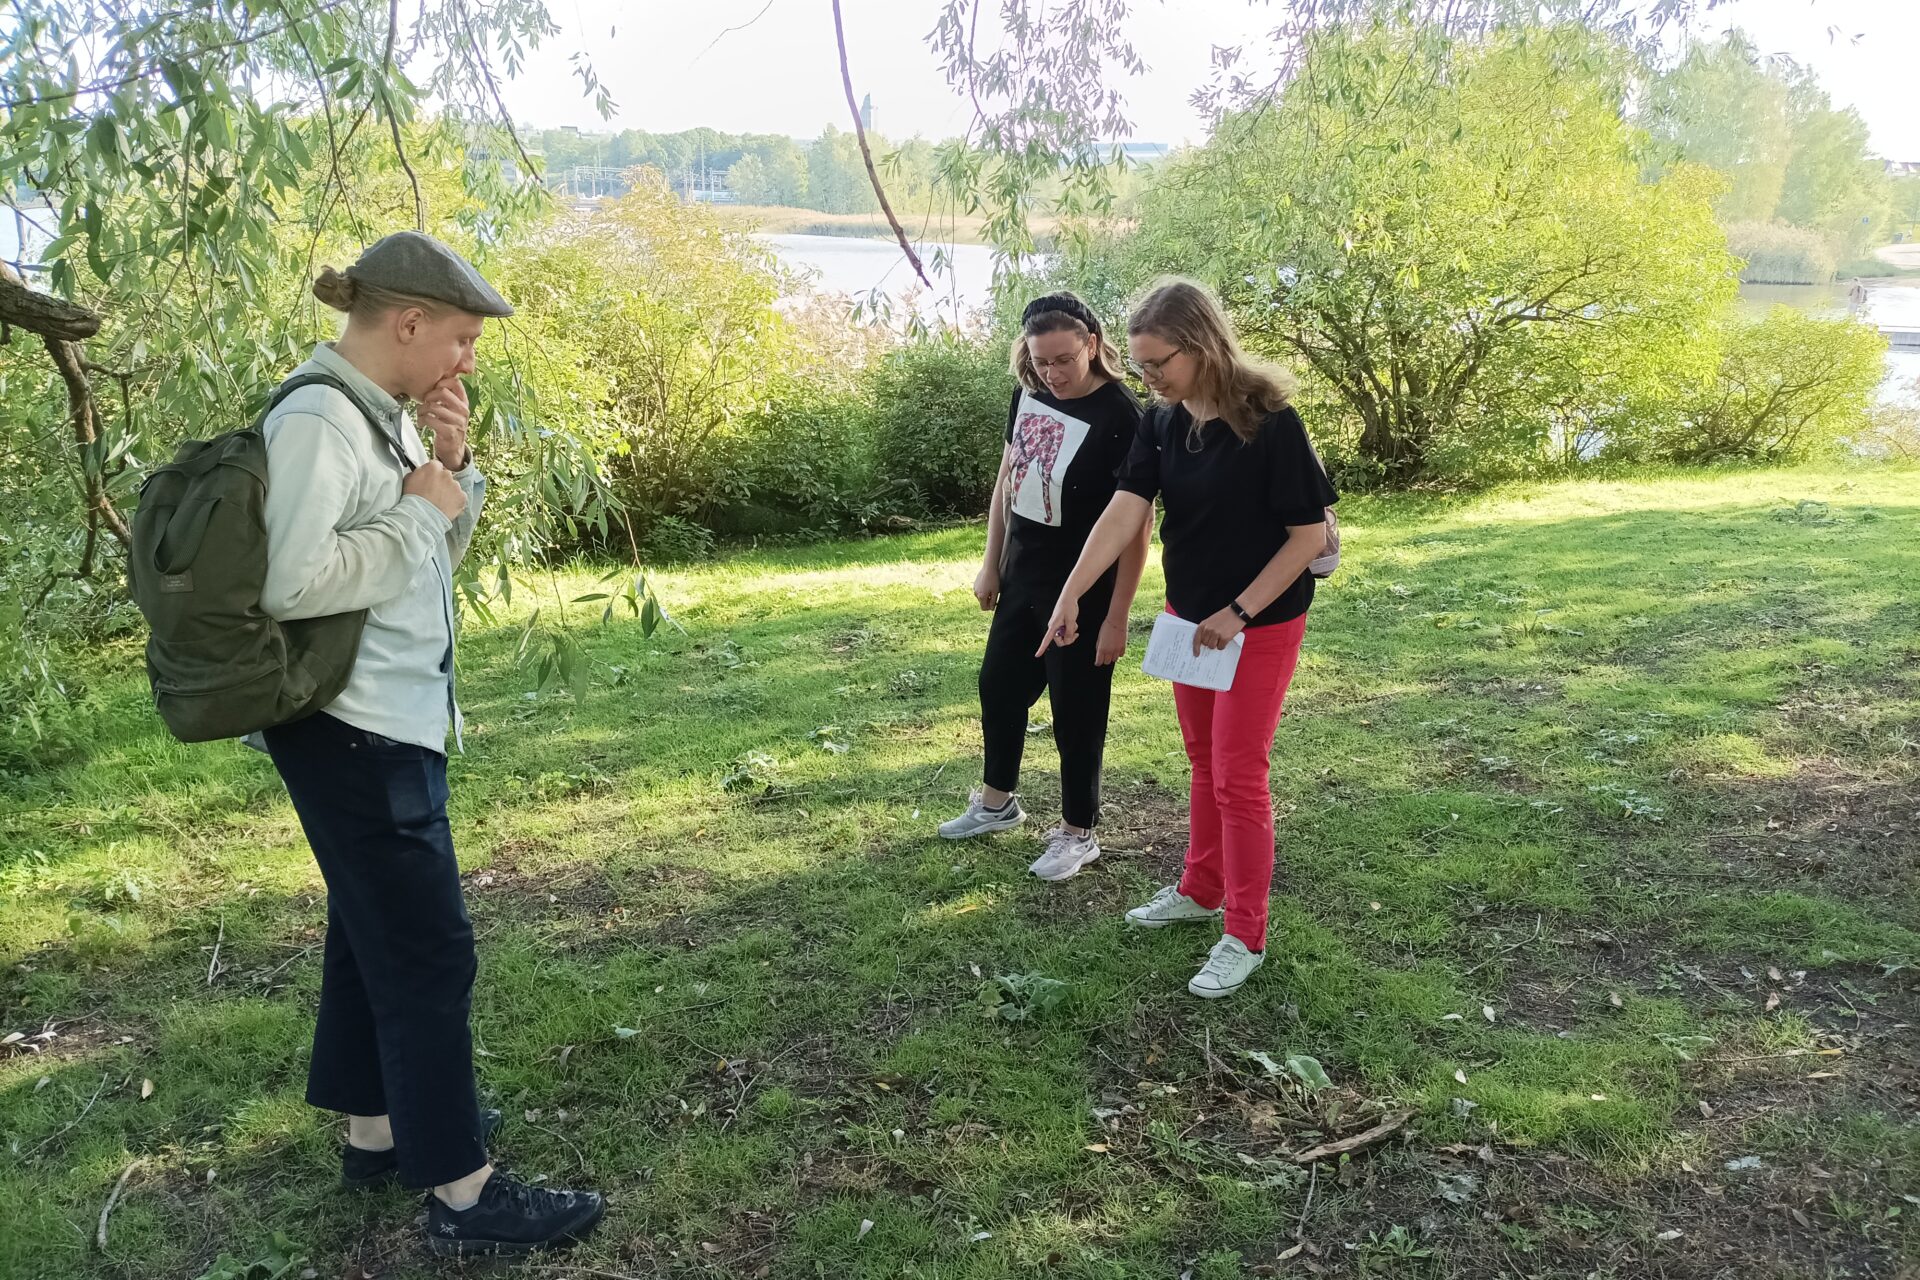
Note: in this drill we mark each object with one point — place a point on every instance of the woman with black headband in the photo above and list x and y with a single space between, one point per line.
1068 431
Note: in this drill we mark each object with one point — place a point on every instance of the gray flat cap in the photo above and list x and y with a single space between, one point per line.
411 263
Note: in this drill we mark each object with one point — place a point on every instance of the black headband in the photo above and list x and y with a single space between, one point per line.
1065 303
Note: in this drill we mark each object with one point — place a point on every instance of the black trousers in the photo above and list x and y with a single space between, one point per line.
392 1036
1011 679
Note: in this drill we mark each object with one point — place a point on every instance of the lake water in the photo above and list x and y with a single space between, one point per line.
963 280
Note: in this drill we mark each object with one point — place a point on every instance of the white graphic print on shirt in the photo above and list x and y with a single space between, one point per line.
1045 441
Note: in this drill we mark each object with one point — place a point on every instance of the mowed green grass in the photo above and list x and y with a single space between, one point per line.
1599 847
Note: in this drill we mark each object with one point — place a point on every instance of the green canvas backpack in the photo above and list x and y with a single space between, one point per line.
219 666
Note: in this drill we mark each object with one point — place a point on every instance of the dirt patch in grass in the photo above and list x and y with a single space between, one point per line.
1855 838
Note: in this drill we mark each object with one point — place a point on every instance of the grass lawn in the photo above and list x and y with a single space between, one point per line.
1599 838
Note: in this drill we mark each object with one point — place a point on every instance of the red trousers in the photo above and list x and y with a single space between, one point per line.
1229 739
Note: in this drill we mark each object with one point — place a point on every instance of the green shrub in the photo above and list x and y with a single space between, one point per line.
939 410
1788 385
673 540
1779 254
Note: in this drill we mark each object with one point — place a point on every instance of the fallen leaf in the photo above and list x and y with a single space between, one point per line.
1775 974
708 1246
1687 1168
1374 905
975 968
1451 1017
146 1090
1802 1219
1598 1097
1461 1076
1773 1001
1670 1235
971 906
1486 1011
1095 1146
866 1225
1613 998
1744 1162
42 1083
13 1037
1706 1109
1822 1075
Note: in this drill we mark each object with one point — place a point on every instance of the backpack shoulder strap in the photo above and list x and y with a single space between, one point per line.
294 384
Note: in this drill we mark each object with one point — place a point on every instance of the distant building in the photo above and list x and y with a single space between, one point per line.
1900 167
866 113
1133 152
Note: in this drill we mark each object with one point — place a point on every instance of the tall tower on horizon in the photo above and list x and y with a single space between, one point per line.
866 113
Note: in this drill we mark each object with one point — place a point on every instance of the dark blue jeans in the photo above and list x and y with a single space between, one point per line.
392 1036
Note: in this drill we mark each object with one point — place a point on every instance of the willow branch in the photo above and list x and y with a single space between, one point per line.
866 152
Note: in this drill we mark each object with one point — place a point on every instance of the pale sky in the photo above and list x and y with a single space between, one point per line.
780 74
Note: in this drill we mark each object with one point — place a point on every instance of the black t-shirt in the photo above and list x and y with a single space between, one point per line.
1228 506
1066 455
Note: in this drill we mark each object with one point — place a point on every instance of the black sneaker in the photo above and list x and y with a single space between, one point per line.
360 1168
512 1217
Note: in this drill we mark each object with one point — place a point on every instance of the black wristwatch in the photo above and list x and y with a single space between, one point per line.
1240 613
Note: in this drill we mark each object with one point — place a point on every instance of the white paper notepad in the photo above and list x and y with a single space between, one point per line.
1170 656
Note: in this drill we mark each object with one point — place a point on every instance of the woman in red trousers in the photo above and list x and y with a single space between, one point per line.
1245 500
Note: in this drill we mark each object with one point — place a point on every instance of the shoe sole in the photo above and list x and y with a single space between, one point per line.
1139 923
1072 871
1006 825
514 1249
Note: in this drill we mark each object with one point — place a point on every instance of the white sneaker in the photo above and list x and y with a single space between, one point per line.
1170 906
1226 970
978 820
1066 854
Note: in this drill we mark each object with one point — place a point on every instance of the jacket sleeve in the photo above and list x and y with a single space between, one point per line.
474 485
315 567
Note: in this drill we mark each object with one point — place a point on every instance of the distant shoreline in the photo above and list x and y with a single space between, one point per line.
938 228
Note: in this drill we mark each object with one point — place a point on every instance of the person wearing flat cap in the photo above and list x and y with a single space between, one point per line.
360 517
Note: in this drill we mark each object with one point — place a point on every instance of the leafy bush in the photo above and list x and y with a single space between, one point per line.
1779 254
664 335
1788 385
939 410
673 540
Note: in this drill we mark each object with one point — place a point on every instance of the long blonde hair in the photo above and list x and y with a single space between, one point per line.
1242 390
1062 312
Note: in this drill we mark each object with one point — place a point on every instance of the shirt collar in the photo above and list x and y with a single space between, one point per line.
369 392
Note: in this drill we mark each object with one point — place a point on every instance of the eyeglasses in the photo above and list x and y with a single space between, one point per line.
1061 362
1153 368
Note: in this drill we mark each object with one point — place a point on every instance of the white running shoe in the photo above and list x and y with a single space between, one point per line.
1066 854
1170 906
978 820
1226 970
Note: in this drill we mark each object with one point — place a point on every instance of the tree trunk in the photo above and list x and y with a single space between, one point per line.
84 420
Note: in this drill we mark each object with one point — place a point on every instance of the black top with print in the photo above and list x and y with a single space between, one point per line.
1228 504
1066 456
